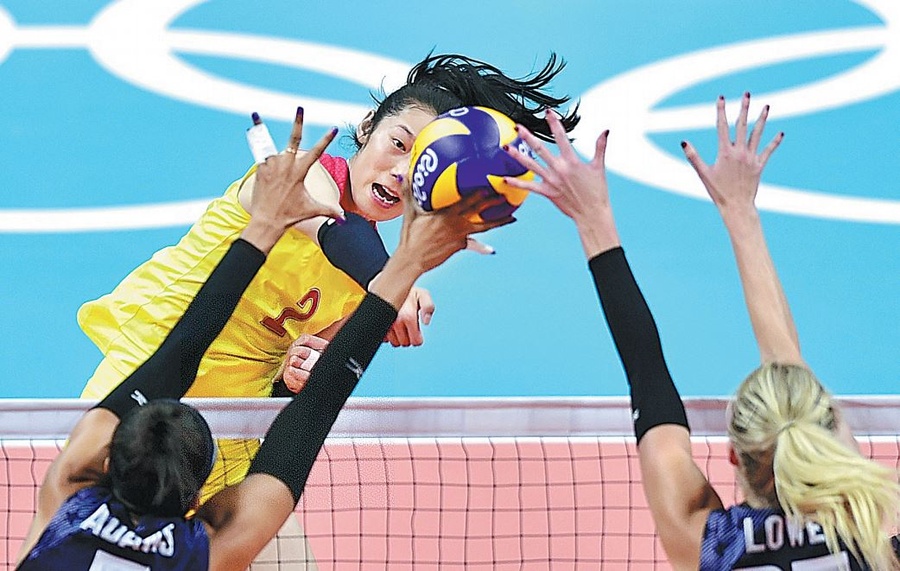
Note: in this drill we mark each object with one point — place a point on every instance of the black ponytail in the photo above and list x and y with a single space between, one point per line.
160 456
440 83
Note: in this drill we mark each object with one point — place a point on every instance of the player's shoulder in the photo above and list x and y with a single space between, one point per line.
321 180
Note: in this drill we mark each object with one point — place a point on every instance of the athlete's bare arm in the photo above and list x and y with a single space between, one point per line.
678 493
242 519
83 461
732 182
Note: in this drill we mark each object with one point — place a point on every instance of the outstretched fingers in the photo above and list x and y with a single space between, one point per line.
740 128
560 137
770 148
722 124
303 162
310 157
693 157
756 133
599 160
538 148
296 133
525 159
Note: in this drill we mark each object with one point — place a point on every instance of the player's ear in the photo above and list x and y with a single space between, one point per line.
732 456
364 129
106 465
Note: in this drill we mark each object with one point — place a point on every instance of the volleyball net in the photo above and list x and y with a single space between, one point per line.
449 483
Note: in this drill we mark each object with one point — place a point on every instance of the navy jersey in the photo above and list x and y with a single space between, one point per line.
93 532
742 537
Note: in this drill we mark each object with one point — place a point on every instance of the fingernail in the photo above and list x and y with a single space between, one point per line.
782 134
766 108
505 147
340 220
683 144
334 131
256 119
721 98
606 133
516 127
747 94
300 113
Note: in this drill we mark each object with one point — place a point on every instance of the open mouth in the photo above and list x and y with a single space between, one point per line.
384 196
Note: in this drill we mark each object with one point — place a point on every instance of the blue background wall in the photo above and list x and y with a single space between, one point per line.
95 116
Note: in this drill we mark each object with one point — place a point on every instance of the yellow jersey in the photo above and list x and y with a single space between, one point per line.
296 291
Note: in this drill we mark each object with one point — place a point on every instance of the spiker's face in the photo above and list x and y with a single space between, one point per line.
379 172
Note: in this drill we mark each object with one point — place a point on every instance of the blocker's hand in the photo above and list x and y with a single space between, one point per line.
733 180
576 187
280 198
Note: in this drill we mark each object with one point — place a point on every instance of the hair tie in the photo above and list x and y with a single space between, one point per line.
786 425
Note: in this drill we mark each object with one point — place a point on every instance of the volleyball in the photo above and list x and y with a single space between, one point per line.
460 153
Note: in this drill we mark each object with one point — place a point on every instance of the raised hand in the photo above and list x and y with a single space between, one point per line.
733 180
280 198
576 187
732 183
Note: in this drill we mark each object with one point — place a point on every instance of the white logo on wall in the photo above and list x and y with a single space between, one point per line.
131 39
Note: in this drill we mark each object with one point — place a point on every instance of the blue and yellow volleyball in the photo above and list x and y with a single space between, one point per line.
460 153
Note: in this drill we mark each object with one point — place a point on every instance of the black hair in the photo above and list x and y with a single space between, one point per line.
440 83
160 456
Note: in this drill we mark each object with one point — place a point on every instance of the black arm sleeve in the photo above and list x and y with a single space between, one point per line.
298 432
171 370
354 247
654 398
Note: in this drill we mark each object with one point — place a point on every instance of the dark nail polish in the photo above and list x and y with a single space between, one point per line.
683 144
516 128
606 133
747 94
256 119
299 112
721 98
505 147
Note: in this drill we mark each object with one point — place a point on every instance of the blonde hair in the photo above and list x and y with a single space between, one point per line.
783 428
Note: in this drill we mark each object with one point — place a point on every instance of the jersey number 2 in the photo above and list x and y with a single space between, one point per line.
308 305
